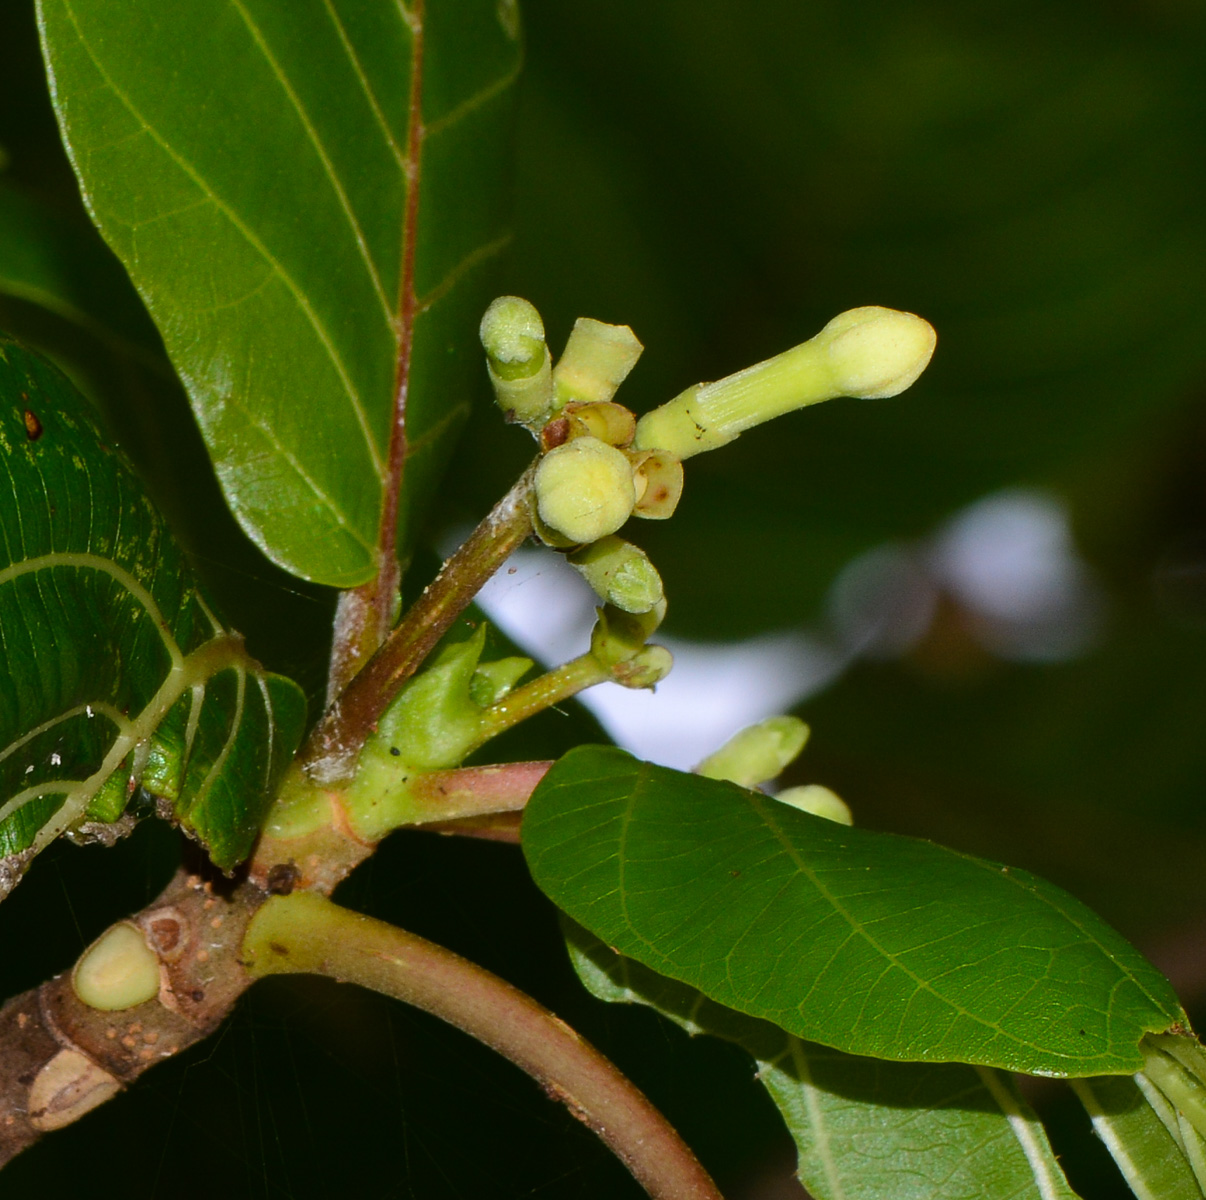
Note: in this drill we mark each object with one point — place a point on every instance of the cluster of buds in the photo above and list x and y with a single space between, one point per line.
761 753
599 465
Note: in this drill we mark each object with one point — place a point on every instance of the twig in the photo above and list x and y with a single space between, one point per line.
329 756
306 933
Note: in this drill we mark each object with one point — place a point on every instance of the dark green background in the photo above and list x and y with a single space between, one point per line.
725 178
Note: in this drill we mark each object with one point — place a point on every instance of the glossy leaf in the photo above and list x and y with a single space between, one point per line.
870 943
1149 1155
113 669
303 194
864 1128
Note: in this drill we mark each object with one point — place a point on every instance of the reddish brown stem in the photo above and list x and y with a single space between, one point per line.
329 757
307 933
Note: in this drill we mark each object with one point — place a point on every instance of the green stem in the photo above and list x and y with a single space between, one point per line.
1177 1067
553 687
307 934
329 756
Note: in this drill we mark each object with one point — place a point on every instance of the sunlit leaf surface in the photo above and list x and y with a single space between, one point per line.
304 194
870 943
114 672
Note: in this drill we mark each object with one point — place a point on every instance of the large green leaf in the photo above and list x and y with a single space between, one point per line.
870 943
114 671
864 1128
303 193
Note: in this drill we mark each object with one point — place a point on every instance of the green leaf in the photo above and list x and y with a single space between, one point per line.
63 266
867 942
114 672
864 1128
258 168
1149 1155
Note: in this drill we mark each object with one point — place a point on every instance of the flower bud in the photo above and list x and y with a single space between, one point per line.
512 335
618 636
620 573
867 352
596 361
819 801
119 970
758 753
584 490
644 670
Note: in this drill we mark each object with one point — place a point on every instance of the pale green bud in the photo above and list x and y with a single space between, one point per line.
758 753
620 573
644 670
867 352
596 361
512 335
619 636
118 971
584 490
819 801
493 680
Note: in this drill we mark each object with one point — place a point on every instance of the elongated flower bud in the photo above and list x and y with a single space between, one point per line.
757 753
596 361
584 490
866 352
512 335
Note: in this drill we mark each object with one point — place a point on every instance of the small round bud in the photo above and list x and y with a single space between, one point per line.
757 753
584 490
620 573
512 335
119 970
877 352
819 801
644 670
619 636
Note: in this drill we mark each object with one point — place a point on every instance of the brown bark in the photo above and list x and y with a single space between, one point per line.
60 1058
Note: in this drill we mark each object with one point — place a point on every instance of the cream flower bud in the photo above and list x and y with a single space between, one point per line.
866 352
596 361
512 336
584 490
119 970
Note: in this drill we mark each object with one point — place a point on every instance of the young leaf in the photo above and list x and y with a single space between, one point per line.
113 670
303 195
870 943
864 1128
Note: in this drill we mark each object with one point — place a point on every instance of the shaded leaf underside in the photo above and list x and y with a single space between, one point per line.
865 1129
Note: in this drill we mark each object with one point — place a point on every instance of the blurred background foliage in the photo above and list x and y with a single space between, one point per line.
1030 177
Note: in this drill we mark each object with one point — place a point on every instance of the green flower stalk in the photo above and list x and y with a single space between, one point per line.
512 335
866 352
